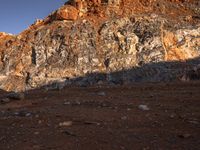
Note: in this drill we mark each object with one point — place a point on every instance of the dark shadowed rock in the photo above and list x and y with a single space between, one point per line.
15 96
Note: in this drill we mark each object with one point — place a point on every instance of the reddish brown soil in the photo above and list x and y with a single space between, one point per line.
104 122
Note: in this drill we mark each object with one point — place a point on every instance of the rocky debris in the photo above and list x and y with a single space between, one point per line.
23 113
185 136
193 74
69 133
91 123
194 122
65 124
36 133
15 96
124 118
90 42
4 100
143 107
101 93
67 103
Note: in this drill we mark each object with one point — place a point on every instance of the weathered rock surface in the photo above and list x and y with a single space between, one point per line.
193 74
92 42
66 12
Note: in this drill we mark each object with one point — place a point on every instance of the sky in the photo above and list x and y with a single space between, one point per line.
17 15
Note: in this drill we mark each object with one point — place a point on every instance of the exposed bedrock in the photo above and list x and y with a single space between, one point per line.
68 48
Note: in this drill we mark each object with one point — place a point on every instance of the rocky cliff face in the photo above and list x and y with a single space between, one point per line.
103 41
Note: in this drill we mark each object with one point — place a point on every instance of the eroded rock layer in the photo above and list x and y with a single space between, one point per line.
96 42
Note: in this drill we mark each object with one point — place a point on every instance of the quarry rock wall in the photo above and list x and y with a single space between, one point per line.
87 43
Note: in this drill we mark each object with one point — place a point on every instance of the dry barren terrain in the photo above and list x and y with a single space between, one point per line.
161 116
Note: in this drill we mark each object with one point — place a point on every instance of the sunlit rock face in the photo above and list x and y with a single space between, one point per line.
96 42
66 12
182 44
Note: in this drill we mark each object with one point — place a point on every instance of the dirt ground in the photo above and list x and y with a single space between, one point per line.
153 116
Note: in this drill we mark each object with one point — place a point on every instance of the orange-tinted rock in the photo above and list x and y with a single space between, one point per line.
3 35
93 41
67 12
182 44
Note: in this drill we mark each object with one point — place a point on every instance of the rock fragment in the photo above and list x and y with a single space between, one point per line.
65 124
4 100
143 107
101 93
15 96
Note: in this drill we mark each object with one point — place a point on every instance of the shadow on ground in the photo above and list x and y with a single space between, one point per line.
152 72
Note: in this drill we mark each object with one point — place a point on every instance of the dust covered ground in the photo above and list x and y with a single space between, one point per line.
151 116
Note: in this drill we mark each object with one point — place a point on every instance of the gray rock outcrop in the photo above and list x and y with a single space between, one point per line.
83 51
